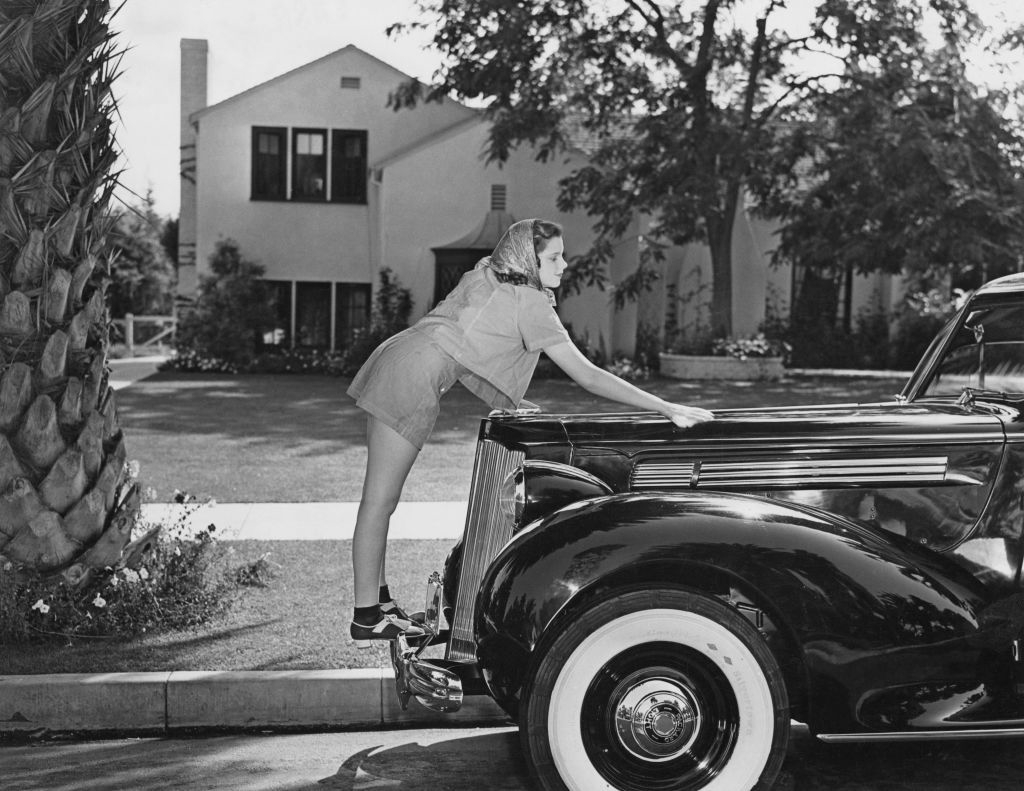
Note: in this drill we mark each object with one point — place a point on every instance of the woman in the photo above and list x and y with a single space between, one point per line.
488 334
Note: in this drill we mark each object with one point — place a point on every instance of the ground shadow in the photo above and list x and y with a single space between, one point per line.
460 760
495 761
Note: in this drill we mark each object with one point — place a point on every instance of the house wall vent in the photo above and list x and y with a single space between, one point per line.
499 197
350 82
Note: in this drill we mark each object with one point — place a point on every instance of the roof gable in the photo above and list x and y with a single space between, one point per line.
346 51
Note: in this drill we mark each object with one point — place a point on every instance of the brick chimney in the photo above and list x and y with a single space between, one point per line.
193 98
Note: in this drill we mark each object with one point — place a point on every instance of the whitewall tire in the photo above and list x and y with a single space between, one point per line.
656 691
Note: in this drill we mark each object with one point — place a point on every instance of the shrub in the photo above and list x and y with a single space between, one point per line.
756 346
297 361
269 361
694 340
231 312
629 369
175 580
816 342
258 573
192 361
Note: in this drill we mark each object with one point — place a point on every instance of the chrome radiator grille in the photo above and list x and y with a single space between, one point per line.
487 531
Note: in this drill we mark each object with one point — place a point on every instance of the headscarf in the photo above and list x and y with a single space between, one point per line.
516 255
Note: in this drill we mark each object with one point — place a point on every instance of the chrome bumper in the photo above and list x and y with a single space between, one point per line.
435 687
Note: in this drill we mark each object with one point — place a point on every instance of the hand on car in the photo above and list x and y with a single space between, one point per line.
684 416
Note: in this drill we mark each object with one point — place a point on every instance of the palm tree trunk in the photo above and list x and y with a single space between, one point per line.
66 501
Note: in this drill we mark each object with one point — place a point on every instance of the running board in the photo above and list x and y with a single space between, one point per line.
920 736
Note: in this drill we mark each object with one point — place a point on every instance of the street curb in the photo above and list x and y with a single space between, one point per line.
849 373
165 702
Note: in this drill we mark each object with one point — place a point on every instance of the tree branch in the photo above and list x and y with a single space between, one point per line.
770 109
698 80
753 73
657 23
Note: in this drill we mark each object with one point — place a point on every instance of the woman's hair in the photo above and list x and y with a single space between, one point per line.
543 232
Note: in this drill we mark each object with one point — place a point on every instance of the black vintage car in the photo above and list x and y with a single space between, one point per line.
654 605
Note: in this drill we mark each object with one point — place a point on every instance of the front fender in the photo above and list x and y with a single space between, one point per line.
863 609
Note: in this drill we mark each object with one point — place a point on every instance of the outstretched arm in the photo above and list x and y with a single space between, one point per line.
607 385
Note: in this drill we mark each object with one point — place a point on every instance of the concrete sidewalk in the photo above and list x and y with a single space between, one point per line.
126 370
310 521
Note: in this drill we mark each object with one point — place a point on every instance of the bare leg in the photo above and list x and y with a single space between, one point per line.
389 458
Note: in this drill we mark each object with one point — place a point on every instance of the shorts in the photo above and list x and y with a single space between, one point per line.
402 382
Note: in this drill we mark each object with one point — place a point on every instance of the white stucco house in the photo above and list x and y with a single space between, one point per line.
324 185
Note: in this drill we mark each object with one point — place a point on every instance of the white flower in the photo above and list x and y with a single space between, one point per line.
42 606
177 552
99 601
143 573
131 575
114 581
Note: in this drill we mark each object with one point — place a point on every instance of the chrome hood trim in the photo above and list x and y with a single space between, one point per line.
787 472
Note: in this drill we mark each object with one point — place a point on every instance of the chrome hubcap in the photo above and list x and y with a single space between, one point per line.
656 719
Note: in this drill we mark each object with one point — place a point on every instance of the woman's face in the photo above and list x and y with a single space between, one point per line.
551 262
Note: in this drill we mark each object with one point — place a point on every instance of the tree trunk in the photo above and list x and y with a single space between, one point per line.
66 501
721 281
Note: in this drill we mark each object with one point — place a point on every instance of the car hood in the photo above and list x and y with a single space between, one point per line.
842 424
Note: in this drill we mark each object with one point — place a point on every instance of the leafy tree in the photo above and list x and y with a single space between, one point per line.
68 503
682 105
232 310
392 305
143 274
906 168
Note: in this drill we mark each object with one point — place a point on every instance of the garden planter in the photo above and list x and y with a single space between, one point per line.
694 366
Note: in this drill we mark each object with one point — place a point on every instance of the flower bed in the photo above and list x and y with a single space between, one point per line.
699 366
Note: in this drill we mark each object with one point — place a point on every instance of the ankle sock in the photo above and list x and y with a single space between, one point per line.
367 616
385 595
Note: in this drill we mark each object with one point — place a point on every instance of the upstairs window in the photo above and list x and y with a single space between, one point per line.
309 164
268 163
348 166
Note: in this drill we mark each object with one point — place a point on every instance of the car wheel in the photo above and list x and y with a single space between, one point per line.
656 691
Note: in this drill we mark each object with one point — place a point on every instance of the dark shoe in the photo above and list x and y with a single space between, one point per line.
389 627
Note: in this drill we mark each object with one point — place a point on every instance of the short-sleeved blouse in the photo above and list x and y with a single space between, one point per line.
496 331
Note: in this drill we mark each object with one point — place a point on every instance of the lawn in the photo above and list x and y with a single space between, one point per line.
299 438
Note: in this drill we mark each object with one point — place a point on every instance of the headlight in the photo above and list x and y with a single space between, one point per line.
512 495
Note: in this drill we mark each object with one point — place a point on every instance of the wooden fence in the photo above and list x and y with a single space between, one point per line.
146 333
